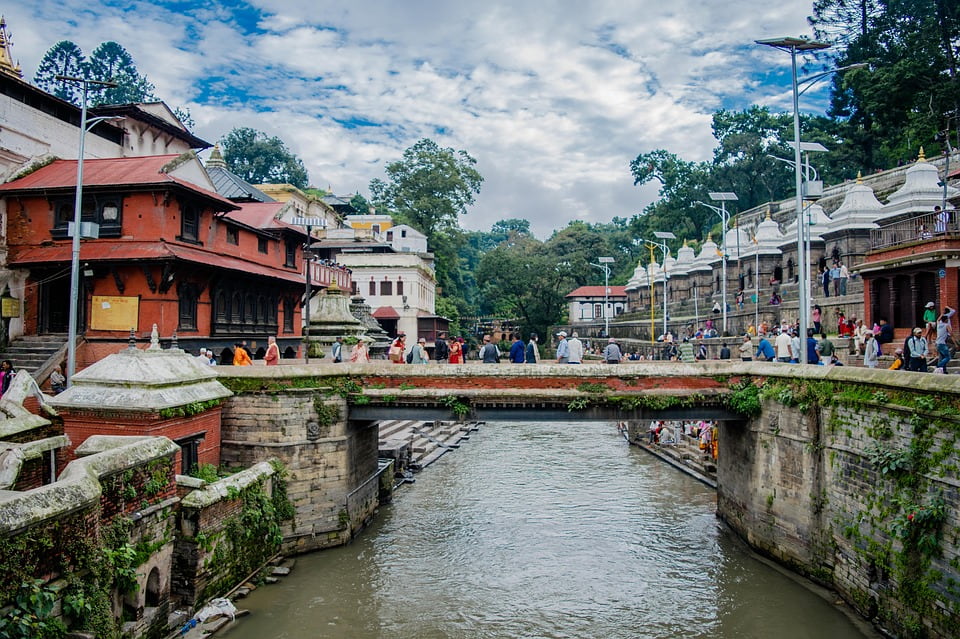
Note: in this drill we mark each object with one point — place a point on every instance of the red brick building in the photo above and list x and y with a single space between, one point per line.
170 252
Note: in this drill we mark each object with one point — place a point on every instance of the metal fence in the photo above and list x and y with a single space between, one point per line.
916 229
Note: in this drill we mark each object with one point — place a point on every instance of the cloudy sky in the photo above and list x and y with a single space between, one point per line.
553 98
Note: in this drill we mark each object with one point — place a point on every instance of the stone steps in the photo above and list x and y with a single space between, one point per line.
31 352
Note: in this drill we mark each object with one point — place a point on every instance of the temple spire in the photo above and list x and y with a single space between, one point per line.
922 157
6 58
216 159
859 177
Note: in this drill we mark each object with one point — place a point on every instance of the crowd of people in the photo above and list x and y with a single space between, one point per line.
704 434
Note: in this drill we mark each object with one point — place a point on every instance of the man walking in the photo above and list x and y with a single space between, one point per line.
518 353
576 350
944 335
533 353
441 351
489 353
336 350
563 348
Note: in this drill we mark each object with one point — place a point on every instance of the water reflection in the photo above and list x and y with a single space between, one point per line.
542 530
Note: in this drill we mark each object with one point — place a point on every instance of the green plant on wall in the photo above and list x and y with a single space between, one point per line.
29 616
458 407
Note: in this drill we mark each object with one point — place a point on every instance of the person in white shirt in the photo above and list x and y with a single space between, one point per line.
783 347
575 347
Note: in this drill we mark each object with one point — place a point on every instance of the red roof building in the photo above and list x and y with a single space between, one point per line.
586 304
170 252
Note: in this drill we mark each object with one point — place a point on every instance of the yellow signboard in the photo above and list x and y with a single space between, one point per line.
9 307
114 313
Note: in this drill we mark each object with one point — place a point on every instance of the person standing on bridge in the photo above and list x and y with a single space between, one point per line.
418 354
272 356
518 353
783 347
563 348
489 353
746 349
612 354
575 347
441 351
533 352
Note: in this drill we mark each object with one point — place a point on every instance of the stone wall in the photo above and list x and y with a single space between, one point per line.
329 459
228 529
851 477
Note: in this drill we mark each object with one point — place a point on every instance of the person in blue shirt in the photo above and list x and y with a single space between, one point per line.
518 353
813 348
765 349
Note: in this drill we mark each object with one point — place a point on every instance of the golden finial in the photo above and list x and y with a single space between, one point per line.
769 218
6 59
922 157
859 177
709 237
216 158
684 242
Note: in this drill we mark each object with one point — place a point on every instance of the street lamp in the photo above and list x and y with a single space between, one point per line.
85 125
793 45
663 236
723 197
603 265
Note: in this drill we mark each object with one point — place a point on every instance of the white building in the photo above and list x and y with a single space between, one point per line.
406 239
589 304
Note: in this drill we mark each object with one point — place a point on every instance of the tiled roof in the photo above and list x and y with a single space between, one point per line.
386 312
233 187
123 250
597 291
138 171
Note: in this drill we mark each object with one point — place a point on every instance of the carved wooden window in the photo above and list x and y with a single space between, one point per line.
233 235
187 294
386 287
189 223
287 315
102 209
290 254
262 245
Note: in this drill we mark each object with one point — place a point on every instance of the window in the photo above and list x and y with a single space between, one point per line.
262 245
189 223
355 288
189 452
287 315
104 210
375 228
233 235
290 254
597 310
187 307
386 287
403 232
399 286
373 287
389 236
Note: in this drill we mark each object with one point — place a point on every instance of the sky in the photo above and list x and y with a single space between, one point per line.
552 98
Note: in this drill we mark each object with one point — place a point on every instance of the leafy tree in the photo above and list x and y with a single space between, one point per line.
525 280
260 159
63 58
429 188
186 118
360 204
111 62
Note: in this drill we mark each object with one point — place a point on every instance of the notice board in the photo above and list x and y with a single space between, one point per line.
114 313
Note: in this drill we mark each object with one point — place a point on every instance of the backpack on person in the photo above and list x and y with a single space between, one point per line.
410 356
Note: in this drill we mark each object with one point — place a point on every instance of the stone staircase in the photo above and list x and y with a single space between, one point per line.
32 352
416 444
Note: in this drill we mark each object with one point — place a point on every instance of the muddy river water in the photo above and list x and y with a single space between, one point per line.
543 530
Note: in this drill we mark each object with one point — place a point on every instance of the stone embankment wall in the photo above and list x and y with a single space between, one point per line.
228 529
287 413
101 534
851 477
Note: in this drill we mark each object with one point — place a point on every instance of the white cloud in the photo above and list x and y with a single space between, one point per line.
553 98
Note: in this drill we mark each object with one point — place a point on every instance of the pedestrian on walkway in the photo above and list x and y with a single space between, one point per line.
418 354
917 350
612 354
944 338
441 351
489 353
533 352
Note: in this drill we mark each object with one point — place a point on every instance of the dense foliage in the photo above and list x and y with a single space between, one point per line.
261 159
109 62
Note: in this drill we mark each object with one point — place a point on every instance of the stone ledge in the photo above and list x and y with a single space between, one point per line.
220 490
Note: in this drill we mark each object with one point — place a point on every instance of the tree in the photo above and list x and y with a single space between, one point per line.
360 204
429 188
110 62
63 58
260 159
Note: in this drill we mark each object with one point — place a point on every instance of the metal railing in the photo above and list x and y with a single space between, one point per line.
920 228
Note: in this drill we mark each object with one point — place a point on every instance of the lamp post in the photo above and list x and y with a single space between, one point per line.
86 83
308 222
793 45
723 197
663 236
603 265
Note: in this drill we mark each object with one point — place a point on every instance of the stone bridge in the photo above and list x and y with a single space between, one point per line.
848 475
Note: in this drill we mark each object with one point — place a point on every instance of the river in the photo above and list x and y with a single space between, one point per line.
542 530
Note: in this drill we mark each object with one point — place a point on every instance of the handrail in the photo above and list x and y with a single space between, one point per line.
920 228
